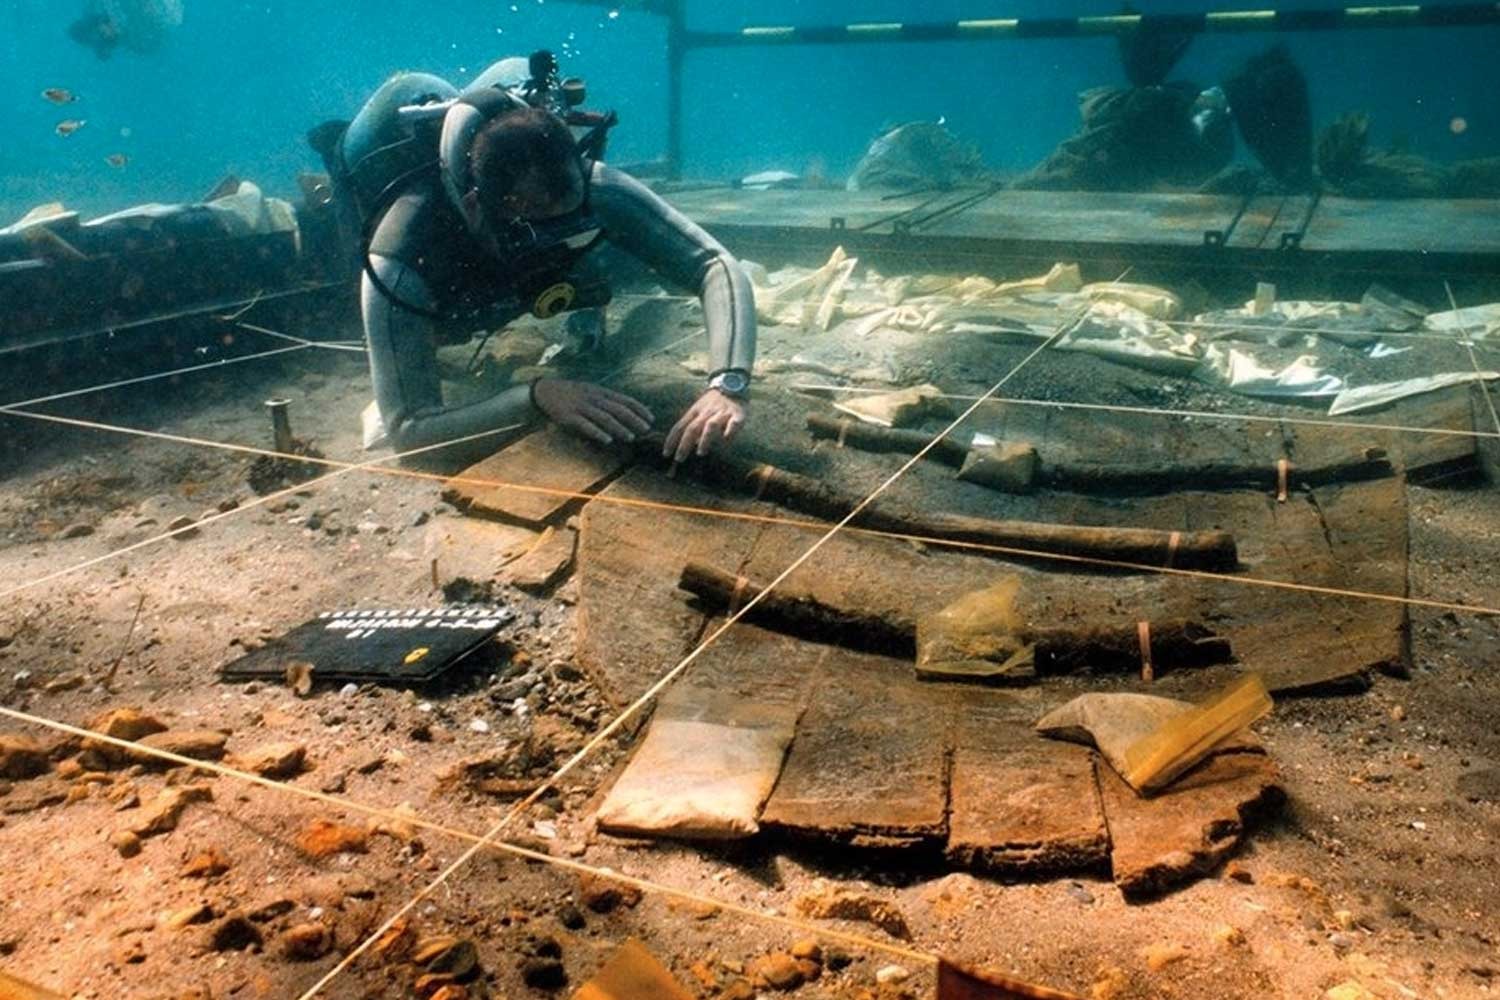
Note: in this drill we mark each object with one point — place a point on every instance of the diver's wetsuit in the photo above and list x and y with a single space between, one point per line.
423 252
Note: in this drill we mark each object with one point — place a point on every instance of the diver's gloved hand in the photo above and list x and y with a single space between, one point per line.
593 411
714 419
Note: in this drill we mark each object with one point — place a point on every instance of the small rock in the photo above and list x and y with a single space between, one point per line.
450 991
228 504
325 838
1237 872
479 726
777 970
808 949
837 959
1228 936
1110 983
1349 990
1159 956
126 724
604 896
571 917
446 955
206 864
127 843
305 942
349 690
161 814
183 527
336 784
299 677
891 974
274 760
273 907
198 744
740 989
234 933
22 757
830 903
76 531
1080 894
198 913
1398 714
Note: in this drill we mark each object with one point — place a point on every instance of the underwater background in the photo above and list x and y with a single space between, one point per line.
235 88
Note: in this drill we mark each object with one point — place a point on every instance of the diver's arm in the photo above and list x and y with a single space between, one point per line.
640 222
403 366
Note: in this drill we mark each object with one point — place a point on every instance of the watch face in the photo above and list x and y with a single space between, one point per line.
735 382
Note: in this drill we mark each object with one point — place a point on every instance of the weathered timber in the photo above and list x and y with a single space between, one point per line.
633 623
1059 649
1123 476
872 437
1018 804
868 766
1192 826
801 615
535 479
1023 539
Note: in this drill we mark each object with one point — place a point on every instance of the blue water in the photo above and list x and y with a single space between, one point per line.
240 82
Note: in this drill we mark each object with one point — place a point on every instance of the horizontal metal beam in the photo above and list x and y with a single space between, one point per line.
1216 22
667 8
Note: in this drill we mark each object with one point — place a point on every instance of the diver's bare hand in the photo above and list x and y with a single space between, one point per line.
714 419
593 411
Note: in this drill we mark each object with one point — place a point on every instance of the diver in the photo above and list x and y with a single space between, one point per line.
139 25
481 206
1154 133
1159 133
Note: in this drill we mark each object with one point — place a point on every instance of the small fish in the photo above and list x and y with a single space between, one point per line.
117 160
58 95
67 128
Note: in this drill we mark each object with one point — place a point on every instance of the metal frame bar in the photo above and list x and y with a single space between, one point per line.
1469 15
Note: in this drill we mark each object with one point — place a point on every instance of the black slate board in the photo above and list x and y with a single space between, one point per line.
405 645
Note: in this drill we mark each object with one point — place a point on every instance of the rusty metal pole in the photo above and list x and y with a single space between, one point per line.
281 424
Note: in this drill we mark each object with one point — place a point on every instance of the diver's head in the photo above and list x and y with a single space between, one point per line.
524 165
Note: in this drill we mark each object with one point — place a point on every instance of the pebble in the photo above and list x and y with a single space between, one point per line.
323 838
126 724
76 531
127 843
1228 936
274 760
891 974
604 896
808 949
778 970
571 917
1238 873
21 757
198 744
206 864
183 527
1079 893
479 726
349 690
198 913
446 955
1159 956
161 814
305 942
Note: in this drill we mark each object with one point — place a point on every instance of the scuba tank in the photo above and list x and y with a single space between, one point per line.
419 127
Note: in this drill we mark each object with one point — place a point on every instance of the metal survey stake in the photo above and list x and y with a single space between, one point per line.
281 424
